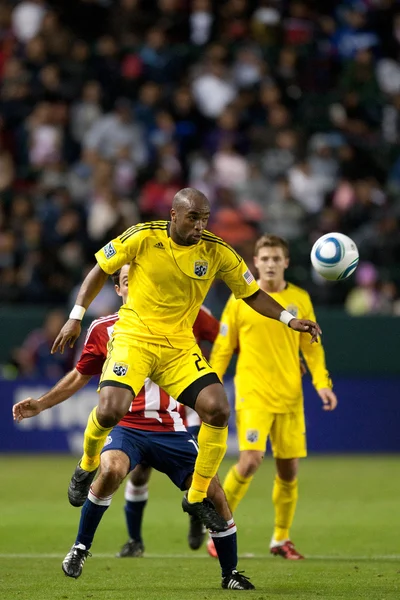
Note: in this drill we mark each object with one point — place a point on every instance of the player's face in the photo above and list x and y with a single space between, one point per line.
122 289
271 264
189 224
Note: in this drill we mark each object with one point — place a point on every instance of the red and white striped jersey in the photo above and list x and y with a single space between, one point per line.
152 409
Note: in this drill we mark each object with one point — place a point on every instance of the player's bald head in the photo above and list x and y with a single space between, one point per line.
190 199
189 216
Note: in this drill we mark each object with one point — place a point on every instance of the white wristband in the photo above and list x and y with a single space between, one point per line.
77 312
285 317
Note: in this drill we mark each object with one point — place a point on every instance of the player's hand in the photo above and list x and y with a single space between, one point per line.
25 409
328 398
304 325
68 334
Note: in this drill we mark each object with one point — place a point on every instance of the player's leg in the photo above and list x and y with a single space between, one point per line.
123 376
175 454
225 542
115 465
136 496
187 376
197 531
288 445
253 427
212 407
252 430
114 402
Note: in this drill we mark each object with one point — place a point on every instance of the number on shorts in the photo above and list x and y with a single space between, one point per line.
197 361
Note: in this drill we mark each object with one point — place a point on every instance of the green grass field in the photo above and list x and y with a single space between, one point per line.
347 524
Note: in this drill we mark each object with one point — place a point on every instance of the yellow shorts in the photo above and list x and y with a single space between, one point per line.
181 373
287 432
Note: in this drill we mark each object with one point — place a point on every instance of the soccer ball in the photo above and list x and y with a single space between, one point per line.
334 256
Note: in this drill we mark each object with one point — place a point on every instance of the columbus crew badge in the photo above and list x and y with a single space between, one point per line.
252 435
200 268
120 369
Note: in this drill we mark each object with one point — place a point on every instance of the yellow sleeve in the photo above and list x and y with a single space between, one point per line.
227 340
235 273
121 250
314 355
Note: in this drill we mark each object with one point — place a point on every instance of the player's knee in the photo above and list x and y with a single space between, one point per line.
112 471
140 475
215 410
249 463
109 411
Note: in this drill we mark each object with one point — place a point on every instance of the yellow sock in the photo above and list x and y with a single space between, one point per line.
93 442
284 497
212 447
235 487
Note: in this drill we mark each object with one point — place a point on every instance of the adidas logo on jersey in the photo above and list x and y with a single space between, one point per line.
159 245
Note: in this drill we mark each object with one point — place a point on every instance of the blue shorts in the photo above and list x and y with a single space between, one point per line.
172 452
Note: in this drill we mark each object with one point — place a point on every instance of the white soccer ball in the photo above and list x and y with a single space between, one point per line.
334 256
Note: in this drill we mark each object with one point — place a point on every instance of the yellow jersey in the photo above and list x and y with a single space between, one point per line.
268 369
168 282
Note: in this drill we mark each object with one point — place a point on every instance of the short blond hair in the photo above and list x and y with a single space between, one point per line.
271 241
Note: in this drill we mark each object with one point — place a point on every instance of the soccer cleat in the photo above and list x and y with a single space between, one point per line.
286 550
132 549
206 513
237 581
211 549
79 485
197 533
73 563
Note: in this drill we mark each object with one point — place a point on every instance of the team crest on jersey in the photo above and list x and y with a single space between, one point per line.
293 309
120 369
200 268
108 440
109 250
252 435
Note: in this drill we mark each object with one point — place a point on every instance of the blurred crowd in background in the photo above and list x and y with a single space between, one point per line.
286 114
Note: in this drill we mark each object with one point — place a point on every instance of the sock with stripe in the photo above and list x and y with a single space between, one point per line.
91 515
284 497
93 441
135 502
212 447
225 544
235 487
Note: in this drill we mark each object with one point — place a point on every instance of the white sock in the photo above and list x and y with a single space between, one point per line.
275 543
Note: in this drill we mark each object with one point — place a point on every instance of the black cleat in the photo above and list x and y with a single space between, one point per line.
205 513
132 548
73 563
237 581
79 485
197 533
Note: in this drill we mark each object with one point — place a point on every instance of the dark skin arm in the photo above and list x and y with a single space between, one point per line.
89 289
265 305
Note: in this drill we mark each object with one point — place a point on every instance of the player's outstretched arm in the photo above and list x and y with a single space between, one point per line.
90 287
268 307
64 389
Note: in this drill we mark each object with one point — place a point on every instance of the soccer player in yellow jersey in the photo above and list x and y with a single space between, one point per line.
269 396
173 265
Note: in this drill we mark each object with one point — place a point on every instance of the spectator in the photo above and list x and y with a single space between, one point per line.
27 18
86 111
275 110
365 298
201 22
213 90
115 130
